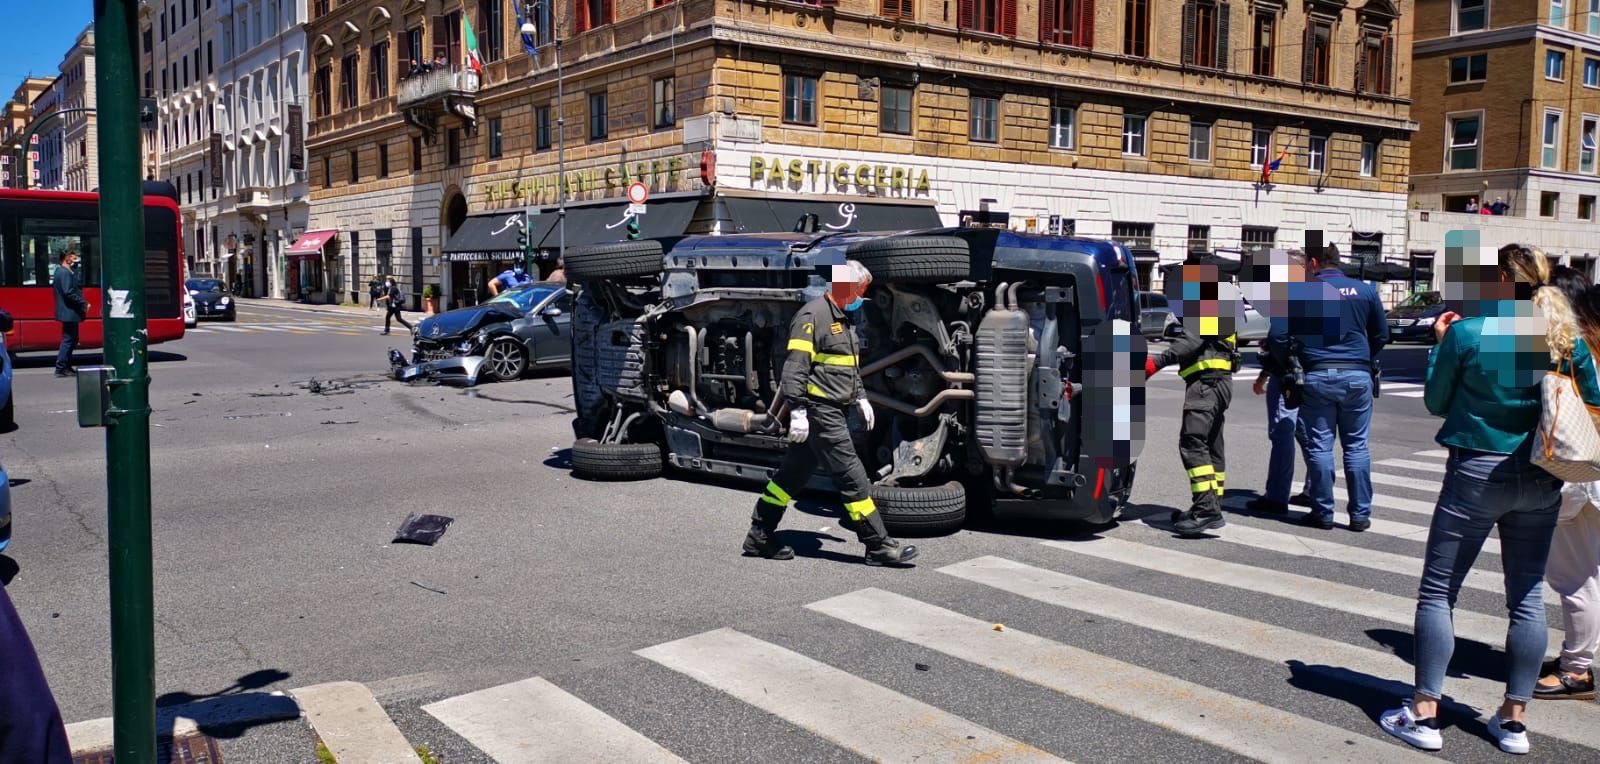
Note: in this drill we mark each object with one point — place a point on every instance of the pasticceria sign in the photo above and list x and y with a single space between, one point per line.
823 175
659 174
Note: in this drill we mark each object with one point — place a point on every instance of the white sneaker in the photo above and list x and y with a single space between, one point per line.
1512 736
1404 723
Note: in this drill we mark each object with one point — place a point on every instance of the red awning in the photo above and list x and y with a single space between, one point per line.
310 243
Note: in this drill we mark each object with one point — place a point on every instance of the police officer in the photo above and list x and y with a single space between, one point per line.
514 276
821 384
1206 356
1335 328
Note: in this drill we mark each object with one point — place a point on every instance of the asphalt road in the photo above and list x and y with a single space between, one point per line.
275 507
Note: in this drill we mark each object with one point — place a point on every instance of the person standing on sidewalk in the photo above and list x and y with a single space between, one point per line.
71 308
393 300
374 288
1334 331
1484 378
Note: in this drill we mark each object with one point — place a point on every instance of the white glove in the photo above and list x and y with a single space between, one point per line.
866 412
799 426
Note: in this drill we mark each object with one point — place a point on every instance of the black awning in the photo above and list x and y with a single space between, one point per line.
490 236
766 215
595 223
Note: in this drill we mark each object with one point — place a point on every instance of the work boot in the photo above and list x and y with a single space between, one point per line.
1196 522
761 541
881 549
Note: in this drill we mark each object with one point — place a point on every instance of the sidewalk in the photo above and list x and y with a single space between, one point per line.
345 310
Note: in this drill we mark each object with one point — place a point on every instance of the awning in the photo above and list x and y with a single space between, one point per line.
490 236
592 224
757 214
310 243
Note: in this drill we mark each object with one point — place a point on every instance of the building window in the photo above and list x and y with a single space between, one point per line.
1555 65
1199 141
1471 15
1586 207
593 13
416 153
664 102
378 72
1260 146
1205 34
1558 13
1136 28
541 128
355 167
904 10
411 52
383 160
1199 239
1591 68
1586 144
1133 135
1318 60
983 119
1264 38
894 110
1549 203
599 112
324 86
1139 236
1369 158
1067 22
1462 133
496 147
491 39
453 146
1317 154
991 16
1063 120
1594 17
1253 239
1375 64
347 81
1550 156
1474 68
800 99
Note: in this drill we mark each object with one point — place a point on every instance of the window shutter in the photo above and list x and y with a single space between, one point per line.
1222 37
581 16
1386 82
610 12
1008 19
1047 22
965 14
404 62
1188 33
1083 27
1308 58
1361 64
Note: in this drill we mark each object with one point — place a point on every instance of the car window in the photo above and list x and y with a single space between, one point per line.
204 285
1153 300
525 299
1421 300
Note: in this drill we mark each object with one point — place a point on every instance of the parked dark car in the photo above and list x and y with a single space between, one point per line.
211 299
1003 367
1412 319
519 329
1154 315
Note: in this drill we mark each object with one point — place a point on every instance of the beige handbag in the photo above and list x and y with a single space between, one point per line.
1567 444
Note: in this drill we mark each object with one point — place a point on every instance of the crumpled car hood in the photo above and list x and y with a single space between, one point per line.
459 322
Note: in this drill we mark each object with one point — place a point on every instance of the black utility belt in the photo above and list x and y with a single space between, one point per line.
1345 366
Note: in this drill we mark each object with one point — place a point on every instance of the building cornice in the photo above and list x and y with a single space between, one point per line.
1506 36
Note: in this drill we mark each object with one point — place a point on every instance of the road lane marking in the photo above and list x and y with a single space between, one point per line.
869 719
1366 667
1408 464
1235 724
535 721
1383 527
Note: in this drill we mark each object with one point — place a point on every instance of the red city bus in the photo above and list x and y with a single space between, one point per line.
36 226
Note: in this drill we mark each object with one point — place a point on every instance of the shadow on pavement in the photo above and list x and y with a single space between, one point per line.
47 359
231 711
1375 695
8 570
1469 658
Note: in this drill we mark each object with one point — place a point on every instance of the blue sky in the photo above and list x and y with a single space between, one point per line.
40 31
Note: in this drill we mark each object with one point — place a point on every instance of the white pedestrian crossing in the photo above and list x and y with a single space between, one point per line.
535 721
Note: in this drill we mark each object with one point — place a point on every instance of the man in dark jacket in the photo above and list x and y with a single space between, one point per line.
393 301
30 722
1335 326
71 308
822 382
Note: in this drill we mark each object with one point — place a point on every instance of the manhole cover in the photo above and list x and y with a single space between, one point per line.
191 749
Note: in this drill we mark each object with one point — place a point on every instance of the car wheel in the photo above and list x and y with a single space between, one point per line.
8 413
612 260
505 360
914 259
615 461
931 511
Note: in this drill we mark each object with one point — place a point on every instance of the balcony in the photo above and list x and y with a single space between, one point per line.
424 97
254 200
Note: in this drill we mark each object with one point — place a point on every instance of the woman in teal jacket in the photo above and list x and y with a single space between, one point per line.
1484 379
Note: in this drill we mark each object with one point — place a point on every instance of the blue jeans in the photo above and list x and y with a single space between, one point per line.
1483 491
69 341
1287 435
1338 400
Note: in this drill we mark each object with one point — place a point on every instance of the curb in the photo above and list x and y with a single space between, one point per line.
96 735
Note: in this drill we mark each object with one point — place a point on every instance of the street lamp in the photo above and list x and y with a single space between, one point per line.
530 30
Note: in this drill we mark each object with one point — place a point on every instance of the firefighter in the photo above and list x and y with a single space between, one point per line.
821 384
1206 356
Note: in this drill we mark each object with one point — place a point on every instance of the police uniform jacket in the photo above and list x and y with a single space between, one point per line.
822 357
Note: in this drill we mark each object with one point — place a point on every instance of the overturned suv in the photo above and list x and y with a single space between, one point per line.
1002 367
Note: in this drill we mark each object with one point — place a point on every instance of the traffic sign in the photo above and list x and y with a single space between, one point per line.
635 210
638 193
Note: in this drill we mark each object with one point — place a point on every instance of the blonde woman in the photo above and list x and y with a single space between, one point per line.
1483 378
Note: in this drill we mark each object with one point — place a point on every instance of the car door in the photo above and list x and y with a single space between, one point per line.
550 330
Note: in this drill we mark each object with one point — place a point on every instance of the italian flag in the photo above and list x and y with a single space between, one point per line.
474 60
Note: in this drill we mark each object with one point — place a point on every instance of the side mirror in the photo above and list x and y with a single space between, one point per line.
552 312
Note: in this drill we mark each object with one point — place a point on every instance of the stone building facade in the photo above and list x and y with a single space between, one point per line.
1148 121
14 123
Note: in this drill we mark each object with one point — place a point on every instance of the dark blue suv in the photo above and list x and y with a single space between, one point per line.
1004 367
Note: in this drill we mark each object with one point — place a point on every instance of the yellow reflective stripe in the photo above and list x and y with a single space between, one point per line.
1219 489
776 495
804 346
1204 486
1222 364
1204 469
833 359
1221 476
812 389
1232 339
860 509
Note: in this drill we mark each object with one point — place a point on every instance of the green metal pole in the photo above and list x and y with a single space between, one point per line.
128 430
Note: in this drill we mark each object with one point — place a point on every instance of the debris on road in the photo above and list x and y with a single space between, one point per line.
921 666
999 627
271 395
330 421
429 588
423 529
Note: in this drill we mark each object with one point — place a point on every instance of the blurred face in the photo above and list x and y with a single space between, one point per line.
844 290
71 260
1205 300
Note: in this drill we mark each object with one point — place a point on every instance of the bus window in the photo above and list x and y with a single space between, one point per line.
43 241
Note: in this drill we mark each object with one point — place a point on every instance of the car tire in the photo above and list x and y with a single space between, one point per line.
615 461
613 260
8 413
504 360
932 511
914 259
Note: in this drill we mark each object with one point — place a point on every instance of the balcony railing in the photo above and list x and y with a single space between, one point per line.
437 85
252 199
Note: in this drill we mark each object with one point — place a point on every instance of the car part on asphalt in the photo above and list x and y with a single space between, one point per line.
930 511
422 529
615 461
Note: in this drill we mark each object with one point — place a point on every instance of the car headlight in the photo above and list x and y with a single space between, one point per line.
465 347
194 292
223 301
1425 321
